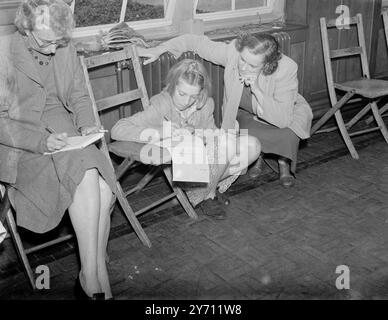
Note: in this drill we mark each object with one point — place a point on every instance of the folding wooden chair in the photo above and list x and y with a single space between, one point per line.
130 151
370 89
6 211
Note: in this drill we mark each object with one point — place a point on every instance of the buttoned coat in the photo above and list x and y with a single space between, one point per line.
21 129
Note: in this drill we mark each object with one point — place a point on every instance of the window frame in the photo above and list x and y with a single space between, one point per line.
233 13
275 11
156 24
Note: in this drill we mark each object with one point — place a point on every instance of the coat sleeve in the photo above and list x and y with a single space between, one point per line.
278 107
131 128
14 133
207 115
79 99
21 135
213 51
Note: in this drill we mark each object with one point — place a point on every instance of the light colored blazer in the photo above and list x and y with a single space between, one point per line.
20 127
130 129
282 105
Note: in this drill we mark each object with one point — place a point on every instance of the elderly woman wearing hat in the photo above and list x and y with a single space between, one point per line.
48 102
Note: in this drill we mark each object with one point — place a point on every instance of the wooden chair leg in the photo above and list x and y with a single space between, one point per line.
379 120
358 116
143 182
381 111
19 247
182 198
332 111
130 214
122 168
345 135
147 178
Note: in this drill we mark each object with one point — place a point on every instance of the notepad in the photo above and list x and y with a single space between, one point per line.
189 158
79 142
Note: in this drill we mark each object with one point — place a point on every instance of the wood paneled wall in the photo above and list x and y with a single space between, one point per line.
309 12
381 61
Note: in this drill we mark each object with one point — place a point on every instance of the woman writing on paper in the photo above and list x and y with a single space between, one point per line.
46 89
186 103
263 83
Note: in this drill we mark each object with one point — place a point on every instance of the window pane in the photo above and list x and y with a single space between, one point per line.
245 4
144 10
205 6
108 11
101 12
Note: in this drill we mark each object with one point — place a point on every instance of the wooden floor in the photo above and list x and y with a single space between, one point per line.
275 244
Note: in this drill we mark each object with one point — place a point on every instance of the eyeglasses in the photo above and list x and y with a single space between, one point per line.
46 43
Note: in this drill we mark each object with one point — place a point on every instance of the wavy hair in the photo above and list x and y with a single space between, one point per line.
192 72
262 43
60 16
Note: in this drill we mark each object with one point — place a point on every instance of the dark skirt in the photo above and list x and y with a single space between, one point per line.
282 142
45 185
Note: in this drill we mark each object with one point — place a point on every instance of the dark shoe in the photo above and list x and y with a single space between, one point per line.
80 294
213 209
222 198
256 169
287 180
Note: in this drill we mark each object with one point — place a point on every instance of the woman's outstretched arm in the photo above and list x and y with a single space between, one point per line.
213 51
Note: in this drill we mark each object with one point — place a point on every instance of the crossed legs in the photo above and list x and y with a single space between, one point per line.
90 216
246 150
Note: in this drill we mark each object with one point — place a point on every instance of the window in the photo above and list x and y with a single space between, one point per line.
159 19
114 11
104 14
220 9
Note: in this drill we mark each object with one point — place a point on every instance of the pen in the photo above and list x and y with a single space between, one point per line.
52 131
165 118
49 129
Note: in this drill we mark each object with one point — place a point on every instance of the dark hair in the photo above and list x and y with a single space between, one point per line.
194 73
61 17
262 43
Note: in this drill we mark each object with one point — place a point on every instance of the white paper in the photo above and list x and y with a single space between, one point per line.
189 161
189 158
3 233
79 142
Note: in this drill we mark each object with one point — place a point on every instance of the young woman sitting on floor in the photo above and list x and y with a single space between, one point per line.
186 103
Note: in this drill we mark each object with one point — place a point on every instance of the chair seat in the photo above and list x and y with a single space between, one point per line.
153 155
369 88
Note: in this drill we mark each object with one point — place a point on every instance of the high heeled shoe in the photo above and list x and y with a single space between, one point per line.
80 294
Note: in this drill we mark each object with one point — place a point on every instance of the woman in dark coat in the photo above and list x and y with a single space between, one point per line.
49 102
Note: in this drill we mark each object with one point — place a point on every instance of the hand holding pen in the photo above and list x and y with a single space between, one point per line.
55 141
182 129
